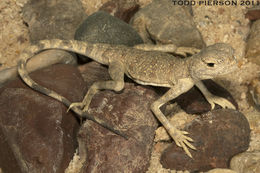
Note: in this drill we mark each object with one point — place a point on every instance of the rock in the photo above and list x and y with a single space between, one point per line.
177 117
129 111
101 27
144 3
177 28
39 61
193 101
218 136
219 170
253 43
254 93
253 13
53 19
92 72
36 132
247 162
93 5
121 9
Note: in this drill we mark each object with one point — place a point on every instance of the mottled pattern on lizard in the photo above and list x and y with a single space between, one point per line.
145 67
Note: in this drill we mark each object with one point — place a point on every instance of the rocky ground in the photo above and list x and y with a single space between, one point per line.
215 23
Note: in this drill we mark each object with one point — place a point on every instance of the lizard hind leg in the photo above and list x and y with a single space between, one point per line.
116 71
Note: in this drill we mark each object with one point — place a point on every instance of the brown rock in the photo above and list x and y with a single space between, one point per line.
92 72
129 111
53 19
38 134
253 13
193 101
218 136
42 60
122 9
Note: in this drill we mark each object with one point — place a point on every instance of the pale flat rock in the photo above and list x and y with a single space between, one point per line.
219 170
247 162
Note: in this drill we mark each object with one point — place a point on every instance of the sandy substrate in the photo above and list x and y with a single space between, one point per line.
13 32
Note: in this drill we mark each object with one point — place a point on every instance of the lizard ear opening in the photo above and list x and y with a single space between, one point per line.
210 64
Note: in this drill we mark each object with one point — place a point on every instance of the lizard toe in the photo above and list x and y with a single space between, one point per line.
77 104
224 103
182 140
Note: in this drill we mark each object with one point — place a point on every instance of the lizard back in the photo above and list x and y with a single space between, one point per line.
146 66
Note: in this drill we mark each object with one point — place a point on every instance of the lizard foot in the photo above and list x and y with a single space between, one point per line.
224 103
182 140
187 50
77 104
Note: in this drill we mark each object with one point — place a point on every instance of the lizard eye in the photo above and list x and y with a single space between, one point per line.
210 64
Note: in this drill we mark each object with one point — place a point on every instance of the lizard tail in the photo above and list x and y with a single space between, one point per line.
29 53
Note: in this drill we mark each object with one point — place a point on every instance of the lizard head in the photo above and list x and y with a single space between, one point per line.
214 60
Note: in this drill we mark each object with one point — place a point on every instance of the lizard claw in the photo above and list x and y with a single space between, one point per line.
77 104
224 103
181 140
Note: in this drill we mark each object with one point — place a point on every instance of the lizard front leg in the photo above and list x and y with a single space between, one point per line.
116 71
170 48
212 99
178 136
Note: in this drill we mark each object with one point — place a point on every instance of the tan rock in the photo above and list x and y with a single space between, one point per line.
247 162
177 27
219 170
93 5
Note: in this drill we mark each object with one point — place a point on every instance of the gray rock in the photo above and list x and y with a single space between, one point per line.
101 27
162 22
218 136
53 19
129 111
253 43
247 162
37 134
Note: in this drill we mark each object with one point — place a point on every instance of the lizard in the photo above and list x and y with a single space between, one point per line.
146 65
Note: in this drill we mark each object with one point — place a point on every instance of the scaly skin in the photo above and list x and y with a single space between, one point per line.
146 67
